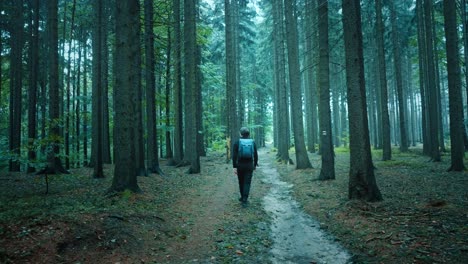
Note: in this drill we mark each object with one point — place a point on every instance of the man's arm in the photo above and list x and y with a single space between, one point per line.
235 148
255 155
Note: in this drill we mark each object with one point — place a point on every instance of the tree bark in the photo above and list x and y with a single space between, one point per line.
127 48
78 102
97 90
422 75
190 49
454 86
231 79
106 153
385 119
16 83
327 171
68 97
178 102
302 160
54 161
139 131
169 152
32 96
153 155
465 46
399 80
311 88
431 84
85 102
362 183
283 135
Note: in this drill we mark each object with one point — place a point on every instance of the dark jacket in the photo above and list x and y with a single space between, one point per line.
243 164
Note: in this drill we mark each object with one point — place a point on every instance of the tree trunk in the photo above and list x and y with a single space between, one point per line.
454 85
465 47
139 131
380 30
54 161
68 97
32 95
178 103
231 79
78 102
302 160
127 48
362 183
190 50
85 102
16 83
399 80
97 89
422 75
327 171
169 153
106 155
431 84
311 89
153 156
282 101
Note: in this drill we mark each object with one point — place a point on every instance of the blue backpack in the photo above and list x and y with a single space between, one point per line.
246 149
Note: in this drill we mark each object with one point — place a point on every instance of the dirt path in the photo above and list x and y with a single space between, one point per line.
216 229
272 228
297 237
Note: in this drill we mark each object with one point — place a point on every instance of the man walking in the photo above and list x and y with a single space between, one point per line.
244 161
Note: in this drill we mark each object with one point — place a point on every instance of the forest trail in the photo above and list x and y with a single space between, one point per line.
297 236
292 235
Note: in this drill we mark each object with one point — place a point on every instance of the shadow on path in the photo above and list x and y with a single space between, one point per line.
297 238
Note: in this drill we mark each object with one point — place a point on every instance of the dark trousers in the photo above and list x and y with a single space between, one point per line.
245 179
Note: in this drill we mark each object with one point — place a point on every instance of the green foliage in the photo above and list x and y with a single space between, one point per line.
342 150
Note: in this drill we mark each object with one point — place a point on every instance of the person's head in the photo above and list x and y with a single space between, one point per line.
244 132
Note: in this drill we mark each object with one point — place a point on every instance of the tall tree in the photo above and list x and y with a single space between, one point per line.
139 131
169 152
311 89
97 89
54 161
282 109
127 17
422 75
302 160
178 103
106 145
16 83
78 100
454 85
68 97
153 155
464 16
362 183
385 119
326 145
231 78
431 87
85 100
398 79
32 95
190 77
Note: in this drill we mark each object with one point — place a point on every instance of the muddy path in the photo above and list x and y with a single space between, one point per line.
272 229
297 237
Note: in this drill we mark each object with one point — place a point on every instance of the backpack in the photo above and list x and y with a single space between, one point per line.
246 149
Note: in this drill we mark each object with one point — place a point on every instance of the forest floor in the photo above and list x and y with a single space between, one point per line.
182 218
